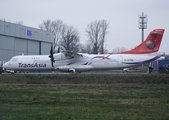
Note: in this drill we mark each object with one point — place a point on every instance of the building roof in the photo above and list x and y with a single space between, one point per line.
21 31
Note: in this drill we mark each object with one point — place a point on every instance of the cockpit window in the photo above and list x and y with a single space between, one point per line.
14 59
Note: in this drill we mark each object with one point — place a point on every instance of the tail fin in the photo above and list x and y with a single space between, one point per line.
150 45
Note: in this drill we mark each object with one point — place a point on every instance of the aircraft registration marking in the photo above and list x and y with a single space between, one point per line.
128 59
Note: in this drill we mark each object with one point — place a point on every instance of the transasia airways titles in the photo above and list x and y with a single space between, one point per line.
34 65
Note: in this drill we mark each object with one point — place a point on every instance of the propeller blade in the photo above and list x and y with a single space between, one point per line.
52 64
51 55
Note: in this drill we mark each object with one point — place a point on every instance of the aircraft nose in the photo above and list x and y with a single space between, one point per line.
5 65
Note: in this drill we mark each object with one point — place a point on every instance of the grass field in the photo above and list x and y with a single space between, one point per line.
81 97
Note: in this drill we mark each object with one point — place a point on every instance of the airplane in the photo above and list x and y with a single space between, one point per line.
68 61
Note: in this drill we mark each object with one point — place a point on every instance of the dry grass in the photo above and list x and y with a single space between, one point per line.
81 96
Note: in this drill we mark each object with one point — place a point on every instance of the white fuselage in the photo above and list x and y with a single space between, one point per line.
82 63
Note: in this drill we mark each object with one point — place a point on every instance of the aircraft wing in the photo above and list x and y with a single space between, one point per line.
71 54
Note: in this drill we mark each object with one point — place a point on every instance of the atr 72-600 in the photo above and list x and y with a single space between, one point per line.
67 61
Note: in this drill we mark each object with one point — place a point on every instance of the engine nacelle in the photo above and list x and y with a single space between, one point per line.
59 56
74 68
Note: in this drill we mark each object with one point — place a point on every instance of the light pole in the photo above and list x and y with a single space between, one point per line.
142 24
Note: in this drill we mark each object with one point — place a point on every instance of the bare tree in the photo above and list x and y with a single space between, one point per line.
53 26
96 33
104 26
46 25
118 49
70 38
57 28
85 48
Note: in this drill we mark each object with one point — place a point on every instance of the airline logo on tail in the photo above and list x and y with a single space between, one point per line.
150 45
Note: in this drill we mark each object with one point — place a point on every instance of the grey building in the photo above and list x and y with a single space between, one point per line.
17 39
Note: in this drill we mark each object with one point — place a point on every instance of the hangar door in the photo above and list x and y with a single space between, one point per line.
6 48
33 47
20 46
45 48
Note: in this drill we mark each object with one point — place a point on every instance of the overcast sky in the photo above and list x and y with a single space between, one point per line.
122 16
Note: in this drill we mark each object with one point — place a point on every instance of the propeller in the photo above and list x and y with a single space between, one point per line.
51 55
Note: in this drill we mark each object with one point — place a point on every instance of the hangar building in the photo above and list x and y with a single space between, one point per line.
17 39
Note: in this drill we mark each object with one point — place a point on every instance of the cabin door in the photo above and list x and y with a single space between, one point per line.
120 60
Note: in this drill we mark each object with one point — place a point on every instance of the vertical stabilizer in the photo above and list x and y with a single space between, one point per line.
150 45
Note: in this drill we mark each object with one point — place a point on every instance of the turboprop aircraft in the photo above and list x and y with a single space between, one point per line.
67 61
